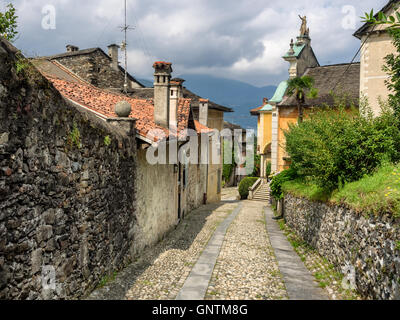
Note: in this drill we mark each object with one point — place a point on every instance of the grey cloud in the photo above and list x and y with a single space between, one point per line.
210 35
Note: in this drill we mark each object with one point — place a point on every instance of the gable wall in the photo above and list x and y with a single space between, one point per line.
96 69
372 77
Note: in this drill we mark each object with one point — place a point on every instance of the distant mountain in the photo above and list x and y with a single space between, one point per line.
238 95
146 83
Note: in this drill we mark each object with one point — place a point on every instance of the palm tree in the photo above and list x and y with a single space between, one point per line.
301 87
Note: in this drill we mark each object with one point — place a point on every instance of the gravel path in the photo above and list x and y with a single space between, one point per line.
247 268
168 265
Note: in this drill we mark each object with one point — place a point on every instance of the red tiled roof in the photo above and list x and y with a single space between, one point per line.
103 102
256 110
201 128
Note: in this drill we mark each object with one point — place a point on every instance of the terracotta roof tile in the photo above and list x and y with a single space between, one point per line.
255 111
201 128
103 102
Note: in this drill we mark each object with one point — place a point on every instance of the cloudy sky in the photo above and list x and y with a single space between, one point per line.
236 39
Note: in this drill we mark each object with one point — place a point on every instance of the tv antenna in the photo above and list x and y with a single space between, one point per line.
124 45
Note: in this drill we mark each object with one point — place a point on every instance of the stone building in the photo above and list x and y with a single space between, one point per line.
95 67
376 45
274 116
165 191
213 118
92 65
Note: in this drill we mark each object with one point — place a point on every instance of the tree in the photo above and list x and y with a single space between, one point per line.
382 18
8 23
302 87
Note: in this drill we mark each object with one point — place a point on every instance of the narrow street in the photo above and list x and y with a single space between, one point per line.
219 252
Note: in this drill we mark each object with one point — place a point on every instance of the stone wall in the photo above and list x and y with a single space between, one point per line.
347 238
67 195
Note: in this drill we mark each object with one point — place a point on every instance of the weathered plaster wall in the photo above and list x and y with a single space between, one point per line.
372 78
266 123
287 116
67 196
345 237
157 198
215 121
196 186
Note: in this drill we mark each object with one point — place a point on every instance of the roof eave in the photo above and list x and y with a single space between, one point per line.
362 30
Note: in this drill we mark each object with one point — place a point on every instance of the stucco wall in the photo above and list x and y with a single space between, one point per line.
157 200
286 116
215 121
266 134
372 80
351 240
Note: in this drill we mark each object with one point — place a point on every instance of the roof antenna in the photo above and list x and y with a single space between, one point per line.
124 45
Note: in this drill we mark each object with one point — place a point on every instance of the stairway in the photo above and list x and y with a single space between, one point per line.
262 193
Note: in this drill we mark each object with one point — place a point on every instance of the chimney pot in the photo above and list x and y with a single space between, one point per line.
71 48
203 111
113 53
162 78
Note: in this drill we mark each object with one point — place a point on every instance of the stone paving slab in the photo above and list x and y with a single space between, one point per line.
196 284
300 284
246 268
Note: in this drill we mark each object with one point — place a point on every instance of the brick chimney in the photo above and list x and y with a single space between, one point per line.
162 78
176 92
71 48
203 111
113 53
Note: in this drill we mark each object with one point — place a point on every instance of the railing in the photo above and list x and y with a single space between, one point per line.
253 188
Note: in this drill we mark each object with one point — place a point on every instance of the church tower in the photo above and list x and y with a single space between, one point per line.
301 55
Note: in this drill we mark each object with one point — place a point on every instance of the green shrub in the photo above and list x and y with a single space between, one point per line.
279 180
268 169
335 146
244 186
228 168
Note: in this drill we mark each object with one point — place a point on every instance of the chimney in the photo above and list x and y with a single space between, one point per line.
203 111
265 101
113 53
71 48
176 93
162 78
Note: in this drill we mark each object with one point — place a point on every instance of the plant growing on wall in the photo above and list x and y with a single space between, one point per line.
228 167
107 141
278 180
301 87
8 23
268 169
74 138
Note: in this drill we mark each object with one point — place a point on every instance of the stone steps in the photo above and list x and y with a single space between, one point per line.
262 193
